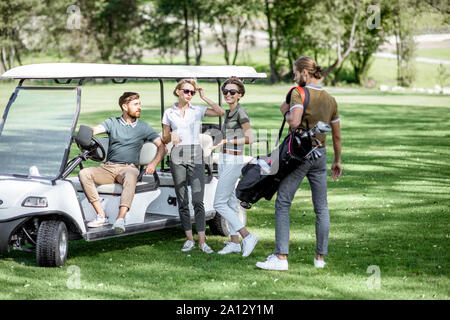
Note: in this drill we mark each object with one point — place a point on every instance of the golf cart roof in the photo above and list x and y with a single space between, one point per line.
126 71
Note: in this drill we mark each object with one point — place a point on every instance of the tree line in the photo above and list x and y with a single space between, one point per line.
333 32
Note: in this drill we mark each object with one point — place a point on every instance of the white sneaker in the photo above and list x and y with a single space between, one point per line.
98 222
119 225
188 246
230 247
273 263
319 263
205 248
248 244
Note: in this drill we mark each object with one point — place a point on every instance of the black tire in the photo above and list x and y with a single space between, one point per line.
52 244
219 226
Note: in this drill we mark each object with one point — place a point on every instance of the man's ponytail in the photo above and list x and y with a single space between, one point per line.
318 72
310 65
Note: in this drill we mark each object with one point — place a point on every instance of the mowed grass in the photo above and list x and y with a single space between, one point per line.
389 213
434 53
426 75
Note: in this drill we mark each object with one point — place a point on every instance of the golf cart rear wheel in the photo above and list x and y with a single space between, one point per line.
52 244
219 226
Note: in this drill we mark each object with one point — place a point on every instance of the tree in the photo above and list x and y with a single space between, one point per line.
372 31
60 28
299 28
161 31
442 6
113 24
407 14
347 33
91 30
285 24
273 49
231 18
443 76
346 37
286 36
14 15
404 41
173 20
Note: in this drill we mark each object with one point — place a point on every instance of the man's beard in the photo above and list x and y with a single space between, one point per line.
133 116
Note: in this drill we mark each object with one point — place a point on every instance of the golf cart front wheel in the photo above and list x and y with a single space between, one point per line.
219 226
52 244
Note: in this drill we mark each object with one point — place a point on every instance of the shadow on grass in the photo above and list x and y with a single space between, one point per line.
396 243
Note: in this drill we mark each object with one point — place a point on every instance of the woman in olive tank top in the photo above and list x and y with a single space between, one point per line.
236 132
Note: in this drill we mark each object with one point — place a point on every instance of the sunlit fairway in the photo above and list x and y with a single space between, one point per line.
389 210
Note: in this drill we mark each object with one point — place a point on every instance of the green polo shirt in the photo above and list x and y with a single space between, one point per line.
232 127
126 140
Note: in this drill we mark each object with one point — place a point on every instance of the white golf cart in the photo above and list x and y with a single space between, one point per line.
41 207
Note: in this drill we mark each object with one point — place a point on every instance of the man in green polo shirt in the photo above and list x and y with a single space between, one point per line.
126 137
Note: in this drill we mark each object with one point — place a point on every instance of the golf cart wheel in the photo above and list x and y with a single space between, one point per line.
52 244
219 226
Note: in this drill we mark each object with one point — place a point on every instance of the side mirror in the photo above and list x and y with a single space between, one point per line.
84 136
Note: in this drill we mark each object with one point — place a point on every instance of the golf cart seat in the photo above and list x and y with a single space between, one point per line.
146 155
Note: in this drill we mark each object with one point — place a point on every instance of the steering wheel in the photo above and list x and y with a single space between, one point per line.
95 150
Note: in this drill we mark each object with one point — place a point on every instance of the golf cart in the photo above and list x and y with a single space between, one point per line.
41 207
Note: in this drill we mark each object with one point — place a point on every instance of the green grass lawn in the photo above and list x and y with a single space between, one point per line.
384 71
389 209
435 53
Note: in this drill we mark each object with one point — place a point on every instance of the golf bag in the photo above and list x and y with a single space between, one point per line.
262 176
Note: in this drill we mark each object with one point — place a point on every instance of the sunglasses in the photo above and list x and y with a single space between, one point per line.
186 91
232 92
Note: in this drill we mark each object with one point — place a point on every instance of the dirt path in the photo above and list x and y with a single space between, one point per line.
418 59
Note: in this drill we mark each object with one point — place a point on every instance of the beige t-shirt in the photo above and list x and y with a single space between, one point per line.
321 107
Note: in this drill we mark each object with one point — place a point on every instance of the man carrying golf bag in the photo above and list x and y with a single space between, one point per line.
321 108
262 176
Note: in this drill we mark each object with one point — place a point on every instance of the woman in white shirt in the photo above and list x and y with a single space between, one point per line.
182 126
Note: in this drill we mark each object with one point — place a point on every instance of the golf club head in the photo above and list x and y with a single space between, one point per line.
322 127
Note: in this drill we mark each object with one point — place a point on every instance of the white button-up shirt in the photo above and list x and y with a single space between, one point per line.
189 127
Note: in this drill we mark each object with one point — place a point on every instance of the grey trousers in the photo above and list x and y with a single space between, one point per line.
316 172
188 168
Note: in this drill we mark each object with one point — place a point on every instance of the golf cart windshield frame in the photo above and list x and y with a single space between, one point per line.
73 126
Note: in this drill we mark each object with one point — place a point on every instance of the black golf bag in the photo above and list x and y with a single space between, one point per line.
262 176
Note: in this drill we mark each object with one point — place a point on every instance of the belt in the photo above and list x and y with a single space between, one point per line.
108 163
236 153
